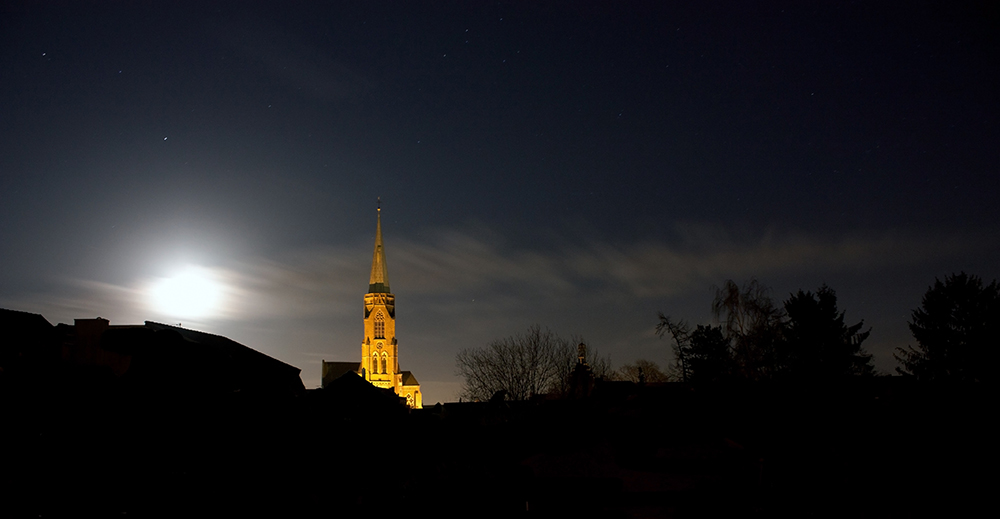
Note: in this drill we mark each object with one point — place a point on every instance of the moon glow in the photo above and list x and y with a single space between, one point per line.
192 293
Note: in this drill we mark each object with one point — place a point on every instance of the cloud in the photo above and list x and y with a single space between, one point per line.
302 285
456 263
707 256
459 289
73 299
453 267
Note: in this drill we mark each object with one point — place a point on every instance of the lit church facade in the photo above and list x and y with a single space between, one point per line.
379 349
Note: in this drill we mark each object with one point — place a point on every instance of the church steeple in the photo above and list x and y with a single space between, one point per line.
379 347
379 282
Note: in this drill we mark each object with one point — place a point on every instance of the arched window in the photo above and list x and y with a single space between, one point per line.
384 363
379 325
409 400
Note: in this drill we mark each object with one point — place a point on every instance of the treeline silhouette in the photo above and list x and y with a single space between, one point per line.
526 365
777 410
806 339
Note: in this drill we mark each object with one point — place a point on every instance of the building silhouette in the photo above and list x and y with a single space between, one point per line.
379 350
139 359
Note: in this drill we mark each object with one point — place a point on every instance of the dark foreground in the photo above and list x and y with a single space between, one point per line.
880 448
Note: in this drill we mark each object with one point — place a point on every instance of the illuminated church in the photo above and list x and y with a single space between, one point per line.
379 349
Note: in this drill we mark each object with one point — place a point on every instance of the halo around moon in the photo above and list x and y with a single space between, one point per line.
192 293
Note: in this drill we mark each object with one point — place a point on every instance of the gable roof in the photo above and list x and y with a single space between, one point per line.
352 394
246 367
334 370
25 336
409 379
17 318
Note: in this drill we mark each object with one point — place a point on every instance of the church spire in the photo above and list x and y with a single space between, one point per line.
379 282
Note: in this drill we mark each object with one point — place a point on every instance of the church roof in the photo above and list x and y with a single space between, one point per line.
334 370
379 282
409 379
350 393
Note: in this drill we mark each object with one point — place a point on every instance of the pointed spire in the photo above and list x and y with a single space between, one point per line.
379 282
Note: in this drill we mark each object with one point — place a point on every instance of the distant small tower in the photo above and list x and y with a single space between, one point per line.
582 379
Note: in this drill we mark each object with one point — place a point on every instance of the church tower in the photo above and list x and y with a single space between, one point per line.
380 350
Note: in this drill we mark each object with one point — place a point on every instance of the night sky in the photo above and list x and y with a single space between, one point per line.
575 165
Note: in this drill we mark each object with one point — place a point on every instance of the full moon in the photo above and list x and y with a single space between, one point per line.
192 293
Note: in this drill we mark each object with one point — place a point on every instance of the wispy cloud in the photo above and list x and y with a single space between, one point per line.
706 256
455 262
465 288
327 281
